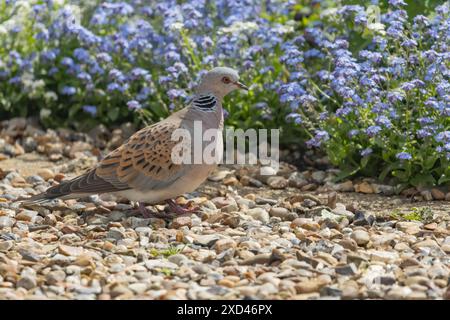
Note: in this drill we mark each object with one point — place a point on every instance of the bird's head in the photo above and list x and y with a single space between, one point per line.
220 81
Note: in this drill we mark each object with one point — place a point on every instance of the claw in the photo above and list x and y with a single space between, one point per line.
179 210
86 215
146 213
176 210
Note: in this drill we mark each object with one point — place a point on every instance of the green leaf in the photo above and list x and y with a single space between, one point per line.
400 174
346 173
364 162
114 113
387 170
443 179
429 162
73 110
423 180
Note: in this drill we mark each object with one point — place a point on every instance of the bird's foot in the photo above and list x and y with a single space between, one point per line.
176 210
179 210
86 215
147 214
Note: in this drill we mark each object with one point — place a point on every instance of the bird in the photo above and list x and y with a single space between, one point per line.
142 169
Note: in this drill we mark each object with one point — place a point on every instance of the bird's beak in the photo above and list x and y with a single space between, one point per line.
241 85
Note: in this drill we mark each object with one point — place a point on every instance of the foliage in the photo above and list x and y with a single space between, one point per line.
423 214
382 108
170 251
83 62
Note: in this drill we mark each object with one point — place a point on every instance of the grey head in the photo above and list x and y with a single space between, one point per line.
220 81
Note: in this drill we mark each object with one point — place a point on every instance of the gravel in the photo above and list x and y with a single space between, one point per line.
291 235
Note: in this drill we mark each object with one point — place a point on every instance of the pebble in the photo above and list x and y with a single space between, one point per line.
349 292
27 282
231 181
262 201
70 250
383 256
206 240
19 182
411 228
258 214
115 234
332 200
398 293
50 219
341 210
385 280
305 223
34 180
346 186
318 176
325 214
221 202
232 207
257 259
349 244
201 268
346 270
362 219
224 244
364 187
277 182
409 262
267 171
427 195
178 259
180 222
383 189
6 222
45 174
6 245
138 288
160 264
437 194
29 256
309 286
219 175
361 237
249 181
329 291
232 221
446 248
26 215
55 277
282 213
297 180
428 243
120 290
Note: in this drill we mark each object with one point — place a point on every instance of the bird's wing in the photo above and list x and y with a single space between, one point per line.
144 162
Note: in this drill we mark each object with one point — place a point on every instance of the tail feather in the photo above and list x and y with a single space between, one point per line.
87 183
39 198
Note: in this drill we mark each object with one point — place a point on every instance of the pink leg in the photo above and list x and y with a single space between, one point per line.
146 213
179 209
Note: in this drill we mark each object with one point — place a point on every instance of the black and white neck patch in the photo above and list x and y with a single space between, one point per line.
205 103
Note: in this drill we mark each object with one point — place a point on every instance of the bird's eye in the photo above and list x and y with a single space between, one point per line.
226 80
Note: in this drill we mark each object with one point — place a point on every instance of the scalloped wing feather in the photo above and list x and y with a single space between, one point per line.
144 161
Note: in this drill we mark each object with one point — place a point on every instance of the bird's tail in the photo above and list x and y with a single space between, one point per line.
64 190
41 197
80 186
